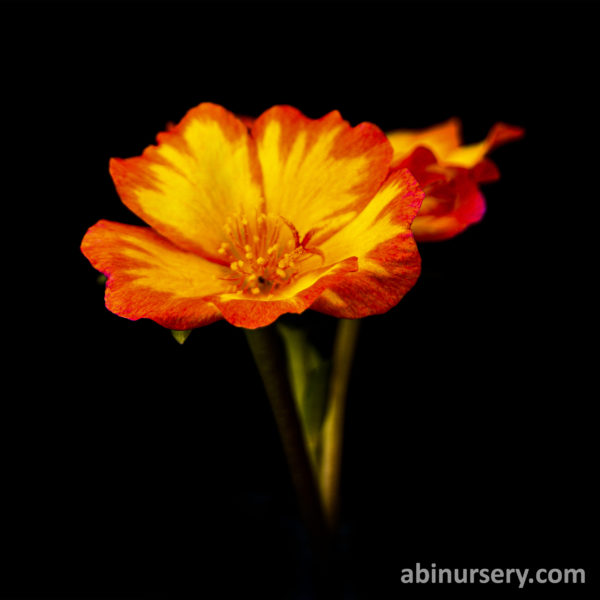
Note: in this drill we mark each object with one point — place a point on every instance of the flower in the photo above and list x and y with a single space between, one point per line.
248 223
449 174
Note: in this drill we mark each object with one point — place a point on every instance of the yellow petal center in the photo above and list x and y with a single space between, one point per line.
264 253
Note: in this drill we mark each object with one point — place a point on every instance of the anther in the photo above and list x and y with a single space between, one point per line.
264 256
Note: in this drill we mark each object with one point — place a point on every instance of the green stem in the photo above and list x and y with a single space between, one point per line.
269 355
333 426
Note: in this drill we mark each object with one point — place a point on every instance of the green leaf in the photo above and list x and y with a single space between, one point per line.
314 404
309 377
181 335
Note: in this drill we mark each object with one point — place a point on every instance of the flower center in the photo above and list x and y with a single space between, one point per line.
264 253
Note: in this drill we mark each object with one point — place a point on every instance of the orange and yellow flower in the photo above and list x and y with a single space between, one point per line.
449 173
252 220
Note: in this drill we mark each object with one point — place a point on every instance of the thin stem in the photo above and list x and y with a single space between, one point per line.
269 355
333 427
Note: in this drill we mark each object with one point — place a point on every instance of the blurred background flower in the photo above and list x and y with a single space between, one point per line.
450 173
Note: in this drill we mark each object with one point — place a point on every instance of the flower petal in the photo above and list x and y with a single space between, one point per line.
469 156
485 171
453 200
423 165
250 313
318 173
149 277
449 210
440 139
202 170
388 260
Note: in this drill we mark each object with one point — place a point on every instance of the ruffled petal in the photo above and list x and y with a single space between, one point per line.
250 314
485 171
149 277
318 173
441 139
202 170
423 165
469 156
388 260
448 209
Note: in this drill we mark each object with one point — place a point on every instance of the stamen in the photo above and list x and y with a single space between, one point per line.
264 253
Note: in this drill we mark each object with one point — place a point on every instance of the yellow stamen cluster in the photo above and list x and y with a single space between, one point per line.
263 253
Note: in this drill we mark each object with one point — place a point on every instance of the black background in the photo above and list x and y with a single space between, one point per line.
133 467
